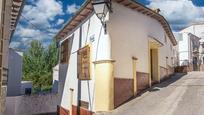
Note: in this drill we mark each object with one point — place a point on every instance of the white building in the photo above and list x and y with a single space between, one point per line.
15 72
102 66
190 46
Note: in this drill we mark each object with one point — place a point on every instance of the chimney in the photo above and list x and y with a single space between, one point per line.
157 10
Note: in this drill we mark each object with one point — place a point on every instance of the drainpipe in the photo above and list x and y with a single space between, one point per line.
79 81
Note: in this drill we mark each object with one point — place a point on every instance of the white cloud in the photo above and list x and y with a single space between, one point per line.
43 11
39 23
72 8
179 13
60 21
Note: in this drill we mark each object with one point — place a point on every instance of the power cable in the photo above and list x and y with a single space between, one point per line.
35 26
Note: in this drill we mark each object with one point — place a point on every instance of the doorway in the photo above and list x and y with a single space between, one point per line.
154 66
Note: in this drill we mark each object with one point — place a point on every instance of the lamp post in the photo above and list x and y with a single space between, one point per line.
101 8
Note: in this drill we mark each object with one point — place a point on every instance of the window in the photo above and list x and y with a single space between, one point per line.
66 50
84 63
203 60
1 46
165 38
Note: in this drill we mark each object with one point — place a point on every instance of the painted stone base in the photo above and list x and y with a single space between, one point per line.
82 111
166 73
62 111
163 73
123 90
3 100
142 81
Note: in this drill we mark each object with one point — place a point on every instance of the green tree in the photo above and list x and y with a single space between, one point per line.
38 63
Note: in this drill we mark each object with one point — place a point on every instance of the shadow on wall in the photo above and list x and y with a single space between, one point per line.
55 86
62 77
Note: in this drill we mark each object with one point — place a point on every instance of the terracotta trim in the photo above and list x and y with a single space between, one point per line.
62 111
82 111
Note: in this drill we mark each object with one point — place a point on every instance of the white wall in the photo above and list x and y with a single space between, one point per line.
129 31
183 48
15 73
93 34
196 29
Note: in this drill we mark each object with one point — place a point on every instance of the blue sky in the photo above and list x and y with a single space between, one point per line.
42 19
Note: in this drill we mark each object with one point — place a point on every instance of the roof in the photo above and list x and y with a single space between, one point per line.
16 9
87 9
192 24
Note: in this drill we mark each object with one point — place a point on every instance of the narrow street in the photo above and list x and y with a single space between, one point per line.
180 95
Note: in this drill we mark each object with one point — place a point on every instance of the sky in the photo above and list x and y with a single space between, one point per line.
42 19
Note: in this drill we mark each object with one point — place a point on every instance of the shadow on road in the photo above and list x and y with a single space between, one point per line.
163 83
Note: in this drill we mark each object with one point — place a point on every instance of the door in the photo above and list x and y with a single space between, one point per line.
154 66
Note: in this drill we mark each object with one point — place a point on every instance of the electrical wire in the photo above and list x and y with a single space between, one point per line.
35 26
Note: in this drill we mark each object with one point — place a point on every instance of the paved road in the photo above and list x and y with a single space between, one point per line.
176 96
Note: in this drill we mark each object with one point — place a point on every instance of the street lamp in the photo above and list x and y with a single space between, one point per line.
101 8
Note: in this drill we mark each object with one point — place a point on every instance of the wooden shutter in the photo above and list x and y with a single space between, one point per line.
64 52
84 63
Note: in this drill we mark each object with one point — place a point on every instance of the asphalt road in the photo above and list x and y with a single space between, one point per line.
180 95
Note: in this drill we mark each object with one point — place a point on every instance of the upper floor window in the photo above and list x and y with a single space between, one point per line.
66 50
165 38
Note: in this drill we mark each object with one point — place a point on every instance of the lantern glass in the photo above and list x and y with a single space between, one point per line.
100 8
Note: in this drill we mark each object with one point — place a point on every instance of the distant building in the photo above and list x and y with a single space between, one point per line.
15 64
26 87
101 69
191 46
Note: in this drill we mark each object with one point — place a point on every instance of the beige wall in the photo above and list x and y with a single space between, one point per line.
129 31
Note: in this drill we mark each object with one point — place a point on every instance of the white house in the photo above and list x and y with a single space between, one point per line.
190 45
15 72
103 63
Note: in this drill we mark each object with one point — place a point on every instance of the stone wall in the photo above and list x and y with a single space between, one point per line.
2 100
33 104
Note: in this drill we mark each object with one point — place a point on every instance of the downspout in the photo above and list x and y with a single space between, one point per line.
79 81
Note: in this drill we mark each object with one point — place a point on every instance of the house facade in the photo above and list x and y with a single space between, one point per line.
100 69
191 46
9 15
